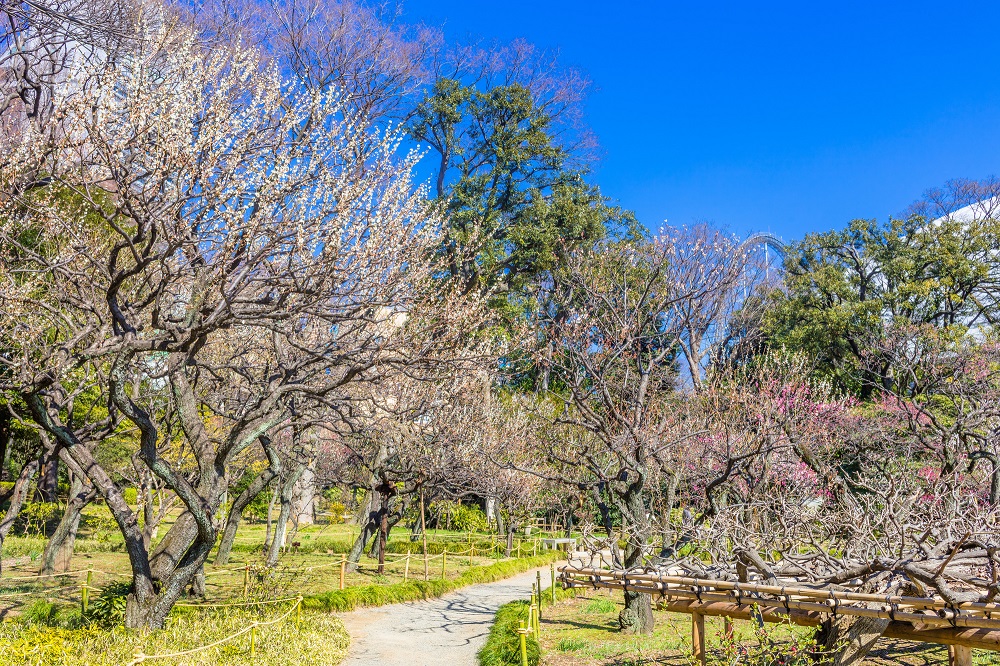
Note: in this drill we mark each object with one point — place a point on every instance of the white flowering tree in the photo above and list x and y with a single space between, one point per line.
210 235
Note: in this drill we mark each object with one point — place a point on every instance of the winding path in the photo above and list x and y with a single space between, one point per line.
449 630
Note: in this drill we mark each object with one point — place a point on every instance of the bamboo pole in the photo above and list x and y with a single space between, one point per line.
444 563
522 636
406 567
538 581
552 586
246 581
343 568
85 593
423 531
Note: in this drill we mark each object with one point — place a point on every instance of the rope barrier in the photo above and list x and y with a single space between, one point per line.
242 603
140 657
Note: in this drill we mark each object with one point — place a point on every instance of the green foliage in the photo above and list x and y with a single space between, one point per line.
843 289
35 517
51 614
131 495
467 518
503 646
514 201
108 609
767 650
571 644
600 607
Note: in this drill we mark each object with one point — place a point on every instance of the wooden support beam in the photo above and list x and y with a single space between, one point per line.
698 638
981 639
959 655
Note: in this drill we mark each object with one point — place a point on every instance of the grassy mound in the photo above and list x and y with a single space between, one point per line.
503 647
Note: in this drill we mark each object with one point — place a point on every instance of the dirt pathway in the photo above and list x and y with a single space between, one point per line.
446 631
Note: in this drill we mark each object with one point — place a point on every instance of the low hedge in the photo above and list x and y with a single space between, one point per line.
416 590
503 647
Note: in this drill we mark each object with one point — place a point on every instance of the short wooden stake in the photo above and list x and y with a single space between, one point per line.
698 638
444 563
959 655
253 639
298 612
343 568
552 588
246 581
427 564
406 567
534 548
522 634
85 593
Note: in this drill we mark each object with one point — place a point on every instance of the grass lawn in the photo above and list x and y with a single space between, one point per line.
582 631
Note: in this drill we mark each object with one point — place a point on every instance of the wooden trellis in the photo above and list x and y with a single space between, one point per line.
962 626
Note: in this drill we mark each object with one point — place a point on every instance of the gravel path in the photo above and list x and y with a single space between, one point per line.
449 630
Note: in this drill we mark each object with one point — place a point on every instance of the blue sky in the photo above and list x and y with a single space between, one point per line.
768 116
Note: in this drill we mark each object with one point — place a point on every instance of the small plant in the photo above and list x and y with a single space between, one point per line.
108 609
571 644
600 607
766 650
49 614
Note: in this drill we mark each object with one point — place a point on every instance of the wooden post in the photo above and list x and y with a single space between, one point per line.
406 567
298 613
552 572
698 638
959 655
522 633
343 568
444 563
534 548
253 639
246 581
538 581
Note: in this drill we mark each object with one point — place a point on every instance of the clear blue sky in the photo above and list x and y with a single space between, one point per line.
787 117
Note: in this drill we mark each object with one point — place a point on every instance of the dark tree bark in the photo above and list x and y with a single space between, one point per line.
46 490
59 549
6 434
17 498
287 488
243 500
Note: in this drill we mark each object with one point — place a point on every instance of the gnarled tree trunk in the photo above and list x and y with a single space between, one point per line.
286 508
17 498
59 549
242 501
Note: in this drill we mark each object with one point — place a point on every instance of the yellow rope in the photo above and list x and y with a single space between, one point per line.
242 603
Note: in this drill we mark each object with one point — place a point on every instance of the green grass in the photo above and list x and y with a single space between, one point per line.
414 590
320 640
503 646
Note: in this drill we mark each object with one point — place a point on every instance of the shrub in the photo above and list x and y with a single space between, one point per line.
468 518
46 613
108 609
600 607
571 644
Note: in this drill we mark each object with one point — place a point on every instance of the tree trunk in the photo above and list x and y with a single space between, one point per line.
368 530
270 522
850 638
46 490
17 499
304 498
6 421
240 504
59 549
286 509
637 617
